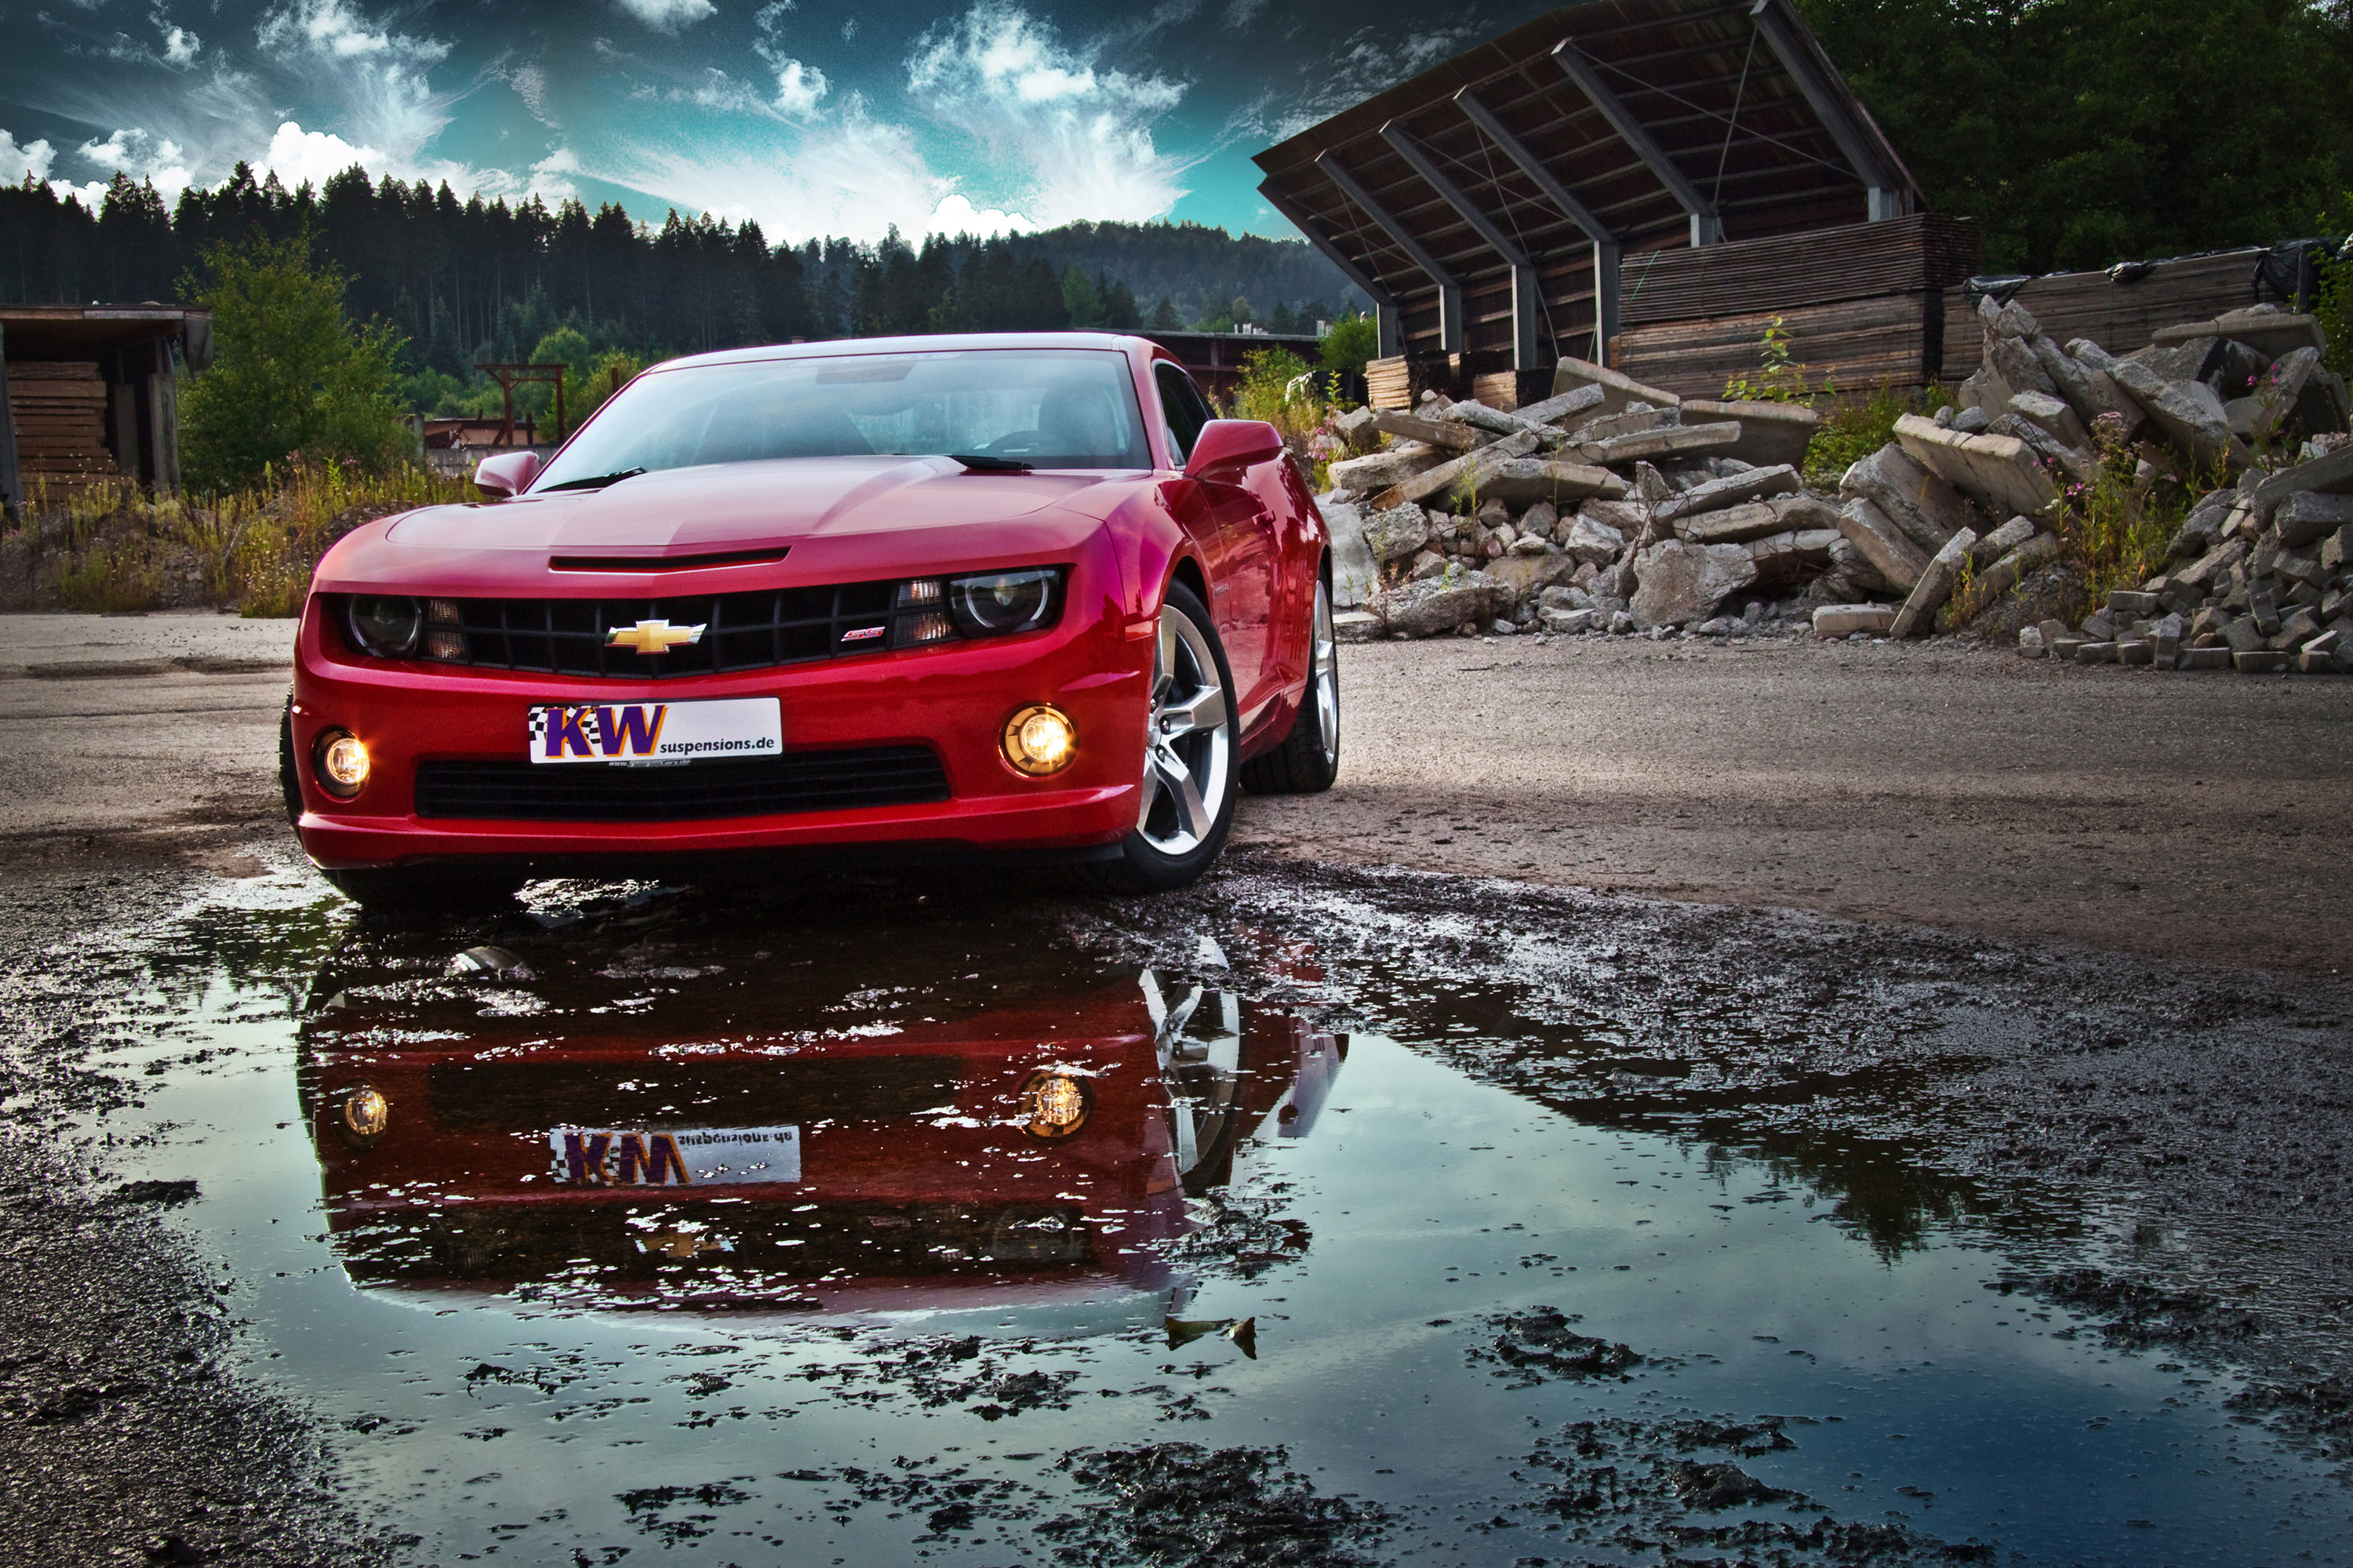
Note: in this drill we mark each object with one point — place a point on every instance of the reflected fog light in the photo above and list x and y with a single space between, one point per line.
363 1117
342 764
1040 740
1055 1104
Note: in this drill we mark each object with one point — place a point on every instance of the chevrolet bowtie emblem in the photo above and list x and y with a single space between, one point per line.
650 637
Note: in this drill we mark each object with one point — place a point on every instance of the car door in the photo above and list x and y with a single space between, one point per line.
1242 548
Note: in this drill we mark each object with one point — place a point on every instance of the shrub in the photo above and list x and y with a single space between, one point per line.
292 378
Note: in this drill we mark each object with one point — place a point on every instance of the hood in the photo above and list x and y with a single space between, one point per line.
840 519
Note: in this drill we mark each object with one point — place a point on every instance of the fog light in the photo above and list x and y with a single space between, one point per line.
342 764
1040 740
1055 1104
363 1117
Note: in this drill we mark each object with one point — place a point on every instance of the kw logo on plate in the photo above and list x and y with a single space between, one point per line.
604 734
602 1160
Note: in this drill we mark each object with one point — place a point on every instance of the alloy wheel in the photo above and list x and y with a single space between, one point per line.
1188 741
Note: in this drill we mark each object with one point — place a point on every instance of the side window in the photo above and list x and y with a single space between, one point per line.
1182 401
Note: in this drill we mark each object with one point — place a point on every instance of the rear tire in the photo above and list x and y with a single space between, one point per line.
1309 757
1190 780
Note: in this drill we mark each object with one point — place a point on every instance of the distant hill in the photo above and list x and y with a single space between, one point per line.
469 281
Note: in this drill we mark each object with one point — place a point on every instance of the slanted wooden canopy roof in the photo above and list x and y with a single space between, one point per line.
1485 204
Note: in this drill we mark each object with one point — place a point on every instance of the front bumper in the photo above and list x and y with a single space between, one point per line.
954 699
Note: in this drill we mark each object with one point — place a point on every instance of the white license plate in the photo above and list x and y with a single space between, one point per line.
693 1157
656 732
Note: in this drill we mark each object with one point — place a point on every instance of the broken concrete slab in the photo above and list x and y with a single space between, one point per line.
2018 367
1996 469
2188 411
1396 532
1770 433
1833 620
2309 516
1356 575
1616 390
2010 568
1524 576
1523 482
1590 539
1935 584
1677 582
1736 525
2002 540
1926 508
1565 408
1757 484
2271 333
2330 473
2053 414
1672 441
1451 434
1462 473
1381 470
1890 552
1631 421
2088 390
1794 555
1436 606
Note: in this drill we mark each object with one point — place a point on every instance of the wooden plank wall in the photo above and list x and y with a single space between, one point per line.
1858 343
1823 266
61 411
2120 317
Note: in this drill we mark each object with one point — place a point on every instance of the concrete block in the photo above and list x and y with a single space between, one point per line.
2203 659
2065 648
2124 603
2088 390
1569 622
1757 484
1927 508
2310 516
2295 628
1616 390
1833 620
1770 433
1678 583
1525 481
1935 584
2259 661
2031 644
1355 626
2054 415
1565 409
2311 661
1462 474
2010 569
2330 473
2097 653
2137 651
1454 435
1995 468
1672 442
2188 411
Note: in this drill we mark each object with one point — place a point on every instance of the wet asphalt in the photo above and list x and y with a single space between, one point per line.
1965 1248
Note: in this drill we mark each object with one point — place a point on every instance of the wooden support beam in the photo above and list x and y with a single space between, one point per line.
1526 309
1606 250
1706 227
1887 196
1385 309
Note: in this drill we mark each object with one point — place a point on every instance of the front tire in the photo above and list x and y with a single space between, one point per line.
1309 757
1190 777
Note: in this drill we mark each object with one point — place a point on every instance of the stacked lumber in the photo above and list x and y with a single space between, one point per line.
2119 311
1857 343
1401 382
1909 255
60 412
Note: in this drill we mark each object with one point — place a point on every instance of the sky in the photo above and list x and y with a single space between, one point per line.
815 117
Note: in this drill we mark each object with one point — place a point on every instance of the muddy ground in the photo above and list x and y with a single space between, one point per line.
2163 1061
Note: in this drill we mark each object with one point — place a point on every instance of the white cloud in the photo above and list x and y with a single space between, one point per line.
131 151
669 16
798 88
370 78
19 159
562 161
180 46
1078 135
296 154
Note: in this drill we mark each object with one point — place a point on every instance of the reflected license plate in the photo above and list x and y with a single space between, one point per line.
656 732
694 1157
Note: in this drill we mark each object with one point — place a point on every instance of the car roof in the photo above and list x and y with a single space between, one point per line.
937 343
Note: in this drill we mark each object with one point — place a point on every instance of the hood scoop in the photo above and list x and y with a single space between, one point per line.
695 563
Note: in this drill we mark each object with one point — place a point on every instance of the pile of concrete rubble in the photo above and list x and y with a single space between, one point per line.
1613 507
1610 506
2259 578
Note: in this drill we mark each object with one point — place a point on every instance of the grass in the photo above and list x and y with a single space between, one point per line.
113 547
1853 427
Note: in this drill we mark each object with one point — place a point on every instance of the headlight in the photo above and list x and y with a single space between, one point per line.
388 628
341 762
1004 602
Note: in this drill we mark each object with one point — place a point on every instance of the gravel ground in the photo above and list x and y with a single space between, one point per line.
2189 816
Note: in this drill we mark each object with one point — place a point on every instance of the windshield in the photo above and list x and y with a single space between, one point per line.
1056 407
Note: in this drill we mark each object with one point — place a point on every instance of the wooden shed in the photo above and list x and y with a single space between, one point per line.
89 395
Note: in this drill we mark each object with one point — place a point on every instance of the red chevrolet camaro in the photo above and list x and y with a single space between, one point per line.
1015 596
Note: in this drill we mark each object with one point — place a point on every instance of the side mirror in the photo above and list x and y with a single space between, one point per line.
1226 446
506 474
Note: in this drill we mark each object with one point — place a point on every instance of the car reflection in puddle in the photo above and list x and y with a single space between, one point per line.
1031 1154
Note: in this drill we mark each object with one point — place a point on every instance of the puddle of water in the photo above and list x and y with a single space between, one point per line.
885 1312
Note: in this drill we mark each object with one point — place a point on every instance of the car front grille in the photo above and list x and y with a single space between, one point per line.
742 630
592 792
521 1094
